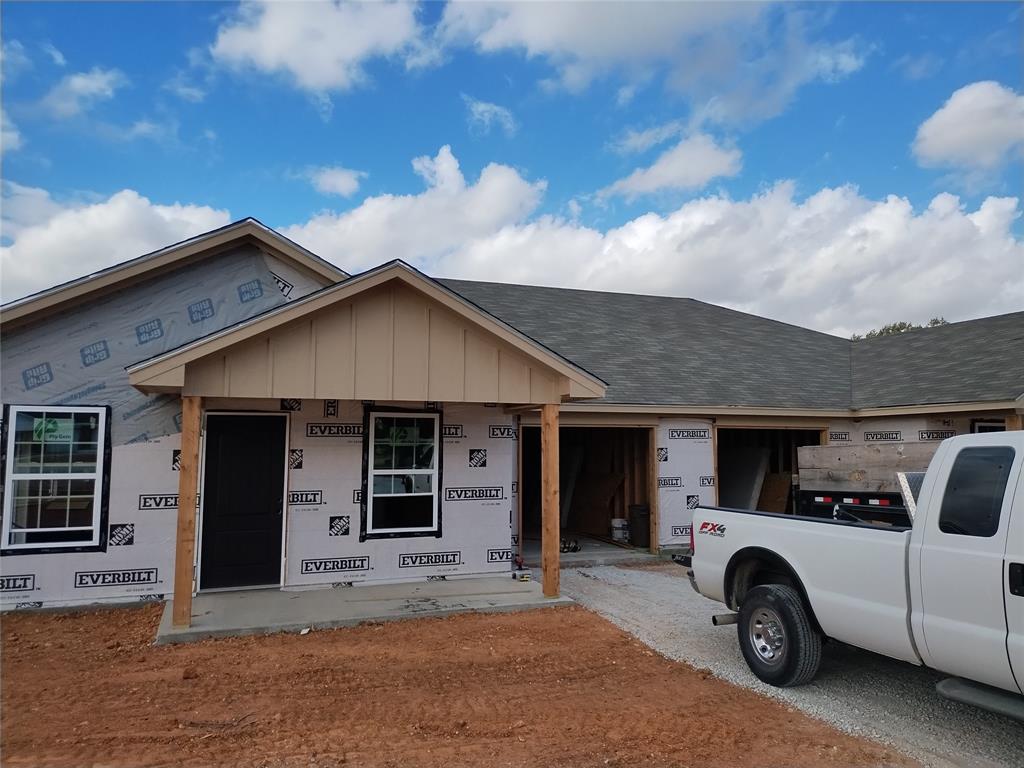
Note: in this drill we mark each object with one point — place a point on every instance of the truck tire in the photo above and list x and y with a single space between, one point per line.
777 638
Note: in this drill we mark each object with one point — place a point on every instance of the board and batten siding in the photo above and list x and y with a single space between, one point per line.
388 343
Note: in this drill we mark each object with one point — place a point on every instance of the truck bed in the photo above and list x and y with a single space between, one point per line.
853 574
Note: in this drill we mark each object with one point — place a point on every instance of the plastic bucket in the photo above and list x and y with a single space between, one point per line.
620 529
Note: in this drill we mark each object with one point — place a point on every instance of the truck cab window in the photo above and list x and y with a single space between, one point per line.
974 491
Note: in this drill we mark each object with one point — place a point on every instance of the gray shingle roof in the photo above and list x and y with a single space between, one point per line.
656 350
976 360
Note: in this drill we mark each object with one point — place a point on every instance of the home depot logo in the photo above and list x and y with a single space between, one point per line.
306 497
474 494
335 565
338 526
115 578
689 434
295 458
477 457
502 431
334 430
499 555
454 431
22 583
663 454
425 559
670 482
937 434
122 535
692 502
878 437
291 404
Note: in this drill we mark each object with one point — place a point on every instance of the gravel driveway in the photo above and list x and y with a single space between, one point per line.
857 691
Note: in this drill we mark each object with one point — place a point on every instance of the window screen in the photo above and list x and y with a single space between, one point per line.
403 473
974 491
53 487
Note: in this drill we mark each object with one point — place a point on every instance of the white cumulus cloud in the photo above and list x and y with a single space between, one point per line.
735 61
690 164
335 180
483 115
426 225
978 128
321 46
79 92
52 242
835 260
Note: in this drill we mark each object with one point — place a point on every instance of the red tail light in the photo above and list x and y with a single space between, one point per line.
692 550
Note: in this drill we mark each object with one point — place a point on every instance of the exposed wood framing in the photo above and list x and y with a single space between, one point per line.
188 487
652 484
519 484
714 458
550 518
1014 421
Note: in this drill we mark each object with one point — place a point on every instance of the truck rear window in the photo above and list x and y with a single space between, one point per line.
974 491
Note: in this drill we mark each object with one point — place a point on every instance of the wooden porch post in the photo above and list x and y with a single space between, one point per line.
1014 421
550 515
188 485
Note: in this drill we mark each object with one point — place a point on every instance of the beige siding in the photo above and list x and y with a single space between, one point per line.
388 343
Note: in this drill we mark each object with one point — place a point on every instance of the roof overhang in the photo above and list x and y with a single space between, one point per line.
173 256
168 372
726 411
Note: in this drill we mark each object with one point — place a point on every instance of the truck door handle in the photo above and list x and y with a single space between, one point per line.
1016 580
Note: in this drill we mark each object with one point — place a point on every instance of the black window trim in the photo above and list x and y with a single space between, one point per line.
45 549
364 535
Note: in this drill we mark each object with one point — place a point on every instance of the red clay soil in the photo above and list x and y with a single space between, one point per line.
554 687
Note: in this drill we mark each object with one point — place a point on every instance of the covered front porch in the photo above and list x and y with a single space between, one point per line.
396 347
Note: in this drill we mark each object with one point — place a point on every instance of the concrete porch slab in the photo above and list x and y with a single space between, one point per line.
593 553
265 611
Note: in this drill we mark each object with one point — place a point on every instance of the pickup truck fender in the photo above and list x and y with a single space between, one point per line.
752 566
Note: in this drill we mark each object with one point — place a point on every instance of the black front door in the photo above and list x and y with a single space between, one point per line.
242 501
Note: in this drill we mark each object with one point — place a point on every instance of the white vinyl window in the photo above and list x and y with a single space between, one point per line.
53 487
403 473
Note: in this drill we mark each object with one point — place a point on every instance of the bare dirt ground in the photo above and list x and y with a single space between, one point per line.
555 687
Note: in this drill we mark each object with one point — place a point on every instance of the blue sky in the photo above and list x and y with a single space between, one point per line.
650 135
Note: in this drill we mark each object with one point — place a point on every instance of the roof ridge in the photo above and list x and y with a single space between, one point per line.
651 296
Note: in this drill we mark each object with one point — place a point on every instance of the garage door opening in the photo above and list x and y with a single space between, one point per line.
757 468
604 490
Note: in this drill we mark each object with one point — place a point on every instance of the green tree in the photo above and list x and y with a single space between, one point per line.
900 326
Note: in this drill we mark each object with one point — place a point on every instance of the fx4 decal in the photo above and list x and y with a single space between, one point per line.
712 529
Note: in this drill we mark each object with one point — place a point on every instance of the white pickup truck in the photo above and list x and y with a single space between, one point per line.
946 592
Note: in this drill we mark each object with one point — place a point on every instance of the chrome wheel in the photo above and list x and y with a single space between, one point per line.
767 636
